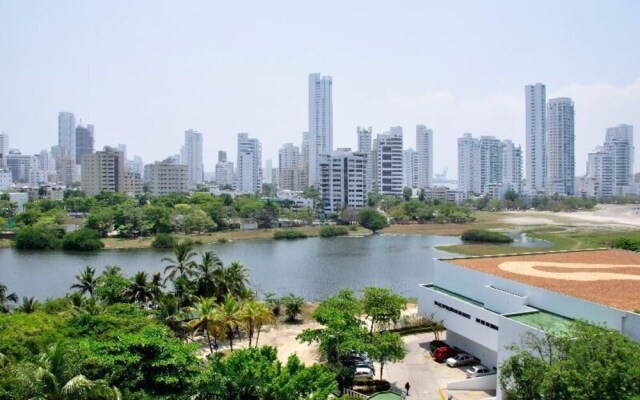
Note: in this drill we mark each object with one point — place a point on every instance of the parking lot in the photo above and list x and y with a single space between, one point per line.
424 375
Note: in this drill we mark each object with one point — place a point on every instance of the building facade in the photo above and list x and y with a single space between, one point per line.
166 177
67 135
320 122
469 164
103 171
249 164
410 168
536 137
191 156
561 147
388 156
343 180
424 149
84 141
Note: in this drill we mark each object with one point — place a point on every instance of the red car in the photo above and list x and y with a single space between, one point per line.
442 353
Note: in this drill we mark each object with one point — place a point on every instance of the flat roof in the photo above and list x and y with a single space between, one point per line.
549 322
607 277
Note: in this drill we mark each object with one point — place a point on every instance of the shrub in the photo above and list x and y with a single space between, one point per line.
38 238
329 231
289 234
485 236
163 241
84 239
222 239
626 244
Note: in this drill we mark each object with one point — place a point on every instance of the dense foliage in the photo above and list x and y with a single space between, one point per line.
372 219
333 230
289 234
626 244
82 240
163 241
485 236
587 362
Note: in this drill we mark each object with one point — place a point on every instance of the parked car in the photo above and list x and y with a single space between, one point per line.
460 359
479 370
435 344
363 374
442 353
354 358
363 364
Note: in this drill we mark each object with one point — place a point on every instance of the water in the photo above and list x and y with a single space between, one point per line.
315 268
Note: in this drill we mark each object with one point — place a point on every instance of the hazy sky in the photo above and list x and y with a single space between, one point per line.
143 72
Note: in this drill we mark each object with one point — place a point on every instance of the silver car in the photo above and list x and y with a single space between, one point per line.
478 371
460 359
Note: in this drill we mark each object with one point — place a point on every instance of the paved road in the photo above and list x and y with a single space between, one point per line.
423 374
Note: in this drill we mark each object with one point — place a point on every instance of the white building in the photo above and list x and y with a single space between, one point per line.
4 148
67 135
536 119
191 156
364 147
489 303
320 122
20 166
289 160
560 147
388 153
511 167
343 180
267 175
619 141
469 164
5 180
599 181
424 148
249 163
410 168
167 177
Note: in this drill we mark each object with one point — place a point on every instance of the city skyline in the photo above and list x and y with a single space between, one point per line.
396 76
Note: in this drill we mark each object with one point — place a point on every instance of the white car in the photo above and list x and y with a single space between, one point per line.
460 359
363 374
478 371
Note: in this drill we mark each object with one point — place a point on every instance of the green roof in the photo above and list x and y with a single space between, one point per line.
455 295
386 396
543 320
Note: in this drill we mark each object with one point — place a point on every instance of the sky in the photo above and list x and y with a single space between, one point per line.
145 71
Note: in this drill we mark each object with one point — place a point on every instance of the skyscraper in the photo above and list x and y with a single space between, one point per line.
410 168
561 147
619 141
511 167
320 122
388 151
191 156
364 147
67 135
84 141
469 164
103 171
249 164
535 110
342 183
4 149
424 149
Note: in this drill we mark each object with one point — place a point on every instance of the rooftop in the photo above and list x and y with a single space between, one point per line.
607 277
548 322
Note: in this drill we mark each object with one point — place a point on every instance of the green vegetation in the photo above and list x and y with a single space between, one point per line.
41 237
412 211
541 203
372 219
485 236
163 241
333 230
82 240
289 234
587 362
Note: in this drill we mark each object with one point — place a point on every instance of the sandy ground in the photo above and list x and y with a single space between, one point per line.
604 215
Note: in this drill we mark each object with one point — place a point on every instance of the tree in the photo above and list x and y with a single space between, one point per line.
204 319
382 306
163 241
86 281
386 347
585 362
209 275
407 192
235 278
6 298
112 286
39 237
292 306
29 305
228 313
141 290
371 219
511 195
84 239
181 265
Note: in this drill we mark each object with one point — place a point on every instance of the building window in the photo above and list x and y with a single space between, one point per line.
453 310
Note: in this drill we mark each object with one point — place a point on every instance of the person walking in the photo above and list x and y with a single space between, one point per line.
407 387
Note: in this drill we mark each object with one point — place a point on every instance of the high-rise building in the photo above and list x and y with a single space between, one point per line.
365 136
224 170
103 171
599 181
490 162
619 141
4 149
191 156
320 122
267 173
20 166
343 180
249 164
289 162
560 147
222 156
84 141
166 177
67 135
388 152
511 167
424 150
535 111
410 168
469 164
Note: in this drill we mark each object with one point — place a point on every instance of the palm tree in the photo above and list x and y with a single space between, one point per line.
6 298
87 281
236 277
228 313
254 314
46 380
204 318
112 270
29 305
182 265
141 290
209 275
171 314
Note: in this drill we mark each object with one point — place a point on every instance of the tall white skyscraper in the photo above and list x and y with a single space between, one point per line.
469 164
249 164
410 168
388 151
365 136
320 122
67 135
268 172
619 141
535 110
4 148
191 156
561 147
511 166
424 149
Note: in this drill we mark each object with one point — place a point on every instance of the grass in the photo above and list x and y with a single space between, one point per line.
5 243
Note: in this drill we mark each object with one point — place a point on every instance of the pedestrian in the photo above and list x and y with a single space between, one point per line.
407 386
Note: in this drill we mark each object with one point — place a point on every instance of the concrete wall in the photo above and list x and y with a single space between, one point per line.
482 383
487 357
